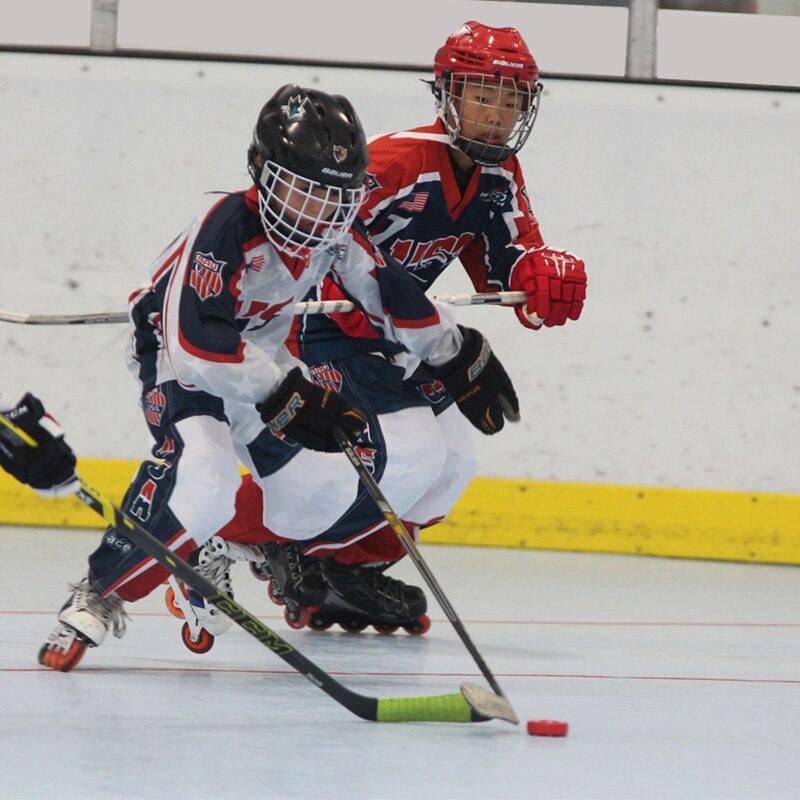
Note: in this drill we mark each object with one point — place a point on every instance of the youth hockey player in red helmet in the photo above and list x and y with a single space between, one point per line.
218 385
437 193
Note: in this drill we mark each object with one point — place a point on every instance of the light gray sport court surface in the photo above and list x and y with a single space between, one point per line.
679 679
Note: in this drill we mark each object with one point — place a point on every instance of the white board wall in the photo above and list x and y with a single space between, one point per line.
683 370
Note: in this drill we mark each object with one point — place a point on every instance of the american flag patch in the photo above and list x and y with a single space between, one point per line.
256 263
417 202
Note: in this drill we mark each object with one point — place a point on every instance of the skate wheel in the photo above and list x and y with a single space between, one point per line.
172 606
257 573
384 628
274 596
419 626
353 626
63 662
319 624
204 643
299 619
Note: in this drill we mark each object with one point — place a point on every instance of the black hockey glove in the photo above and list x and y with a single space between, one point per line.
479 384
49 467
307 413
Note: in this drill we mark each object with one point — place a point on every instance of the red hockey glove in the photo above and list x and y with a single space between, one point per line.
49 467
307 413
555 281
479 384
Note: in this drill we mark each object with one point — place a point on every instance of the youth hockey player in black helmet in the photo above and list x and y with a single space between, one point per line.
218 385
453 190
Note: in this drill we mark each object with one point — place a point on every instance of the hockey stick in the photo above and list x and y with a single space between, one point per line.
474 704
413 551
307 307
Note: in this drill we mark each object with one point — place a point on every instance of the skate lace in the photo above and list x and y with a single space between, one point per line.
108 609
369 581
306 572
391 589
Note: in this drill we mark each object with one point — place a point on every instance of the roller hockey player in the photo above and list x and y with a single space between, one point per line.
447 191
219 387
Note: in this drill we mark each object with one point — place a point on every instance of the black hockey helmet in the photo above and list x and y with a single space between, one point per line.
308 144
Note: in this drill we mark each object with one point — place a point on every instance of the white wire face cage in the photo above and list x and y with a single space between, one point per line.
489 119
300 215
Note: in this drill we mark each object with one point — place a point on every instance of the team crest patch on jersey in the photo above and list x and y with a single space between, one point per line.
339 153
433 392
205 277
154 405
327 376
497 197
371 182
295 108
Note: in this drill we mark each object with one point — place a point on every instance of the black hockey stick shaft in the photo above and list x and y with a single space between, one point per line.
444 708
464 707
413 551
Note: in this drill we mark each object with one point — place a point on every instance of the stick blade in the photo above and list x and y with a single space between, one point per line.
488 704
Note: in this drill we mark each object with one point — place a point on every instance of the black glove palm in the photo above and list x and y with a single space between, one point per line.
307 413
479 384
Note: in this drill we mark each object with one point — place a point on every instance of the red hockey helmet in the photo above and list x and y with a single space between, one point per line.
482 58
499 52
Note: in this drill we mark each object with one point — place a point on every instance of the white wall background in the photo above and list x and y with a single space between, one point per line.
567 39
683 370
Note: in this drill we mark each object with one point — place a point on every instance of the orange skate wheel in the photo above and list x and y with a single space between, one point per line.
172 606
203 644
63 662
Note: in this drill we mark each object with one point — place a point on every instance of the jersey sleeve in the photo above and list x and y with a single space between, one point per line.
513 230
393 303
203 340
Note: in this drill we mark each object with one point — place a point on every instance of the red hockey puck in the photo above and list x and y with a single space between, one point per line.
547 727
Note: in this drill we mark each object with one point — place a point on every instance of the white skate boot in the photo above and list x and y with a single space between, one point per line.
83 622
204 621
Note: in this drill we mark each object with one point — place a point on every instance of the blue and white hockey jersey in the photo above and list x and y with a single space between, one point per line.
220 304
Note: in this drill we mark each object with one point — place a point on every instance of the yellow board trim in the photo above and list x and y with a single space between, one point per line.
683 523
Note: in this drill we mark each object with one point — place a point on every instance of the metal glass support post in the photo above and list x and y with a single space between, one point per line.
640 60
103 34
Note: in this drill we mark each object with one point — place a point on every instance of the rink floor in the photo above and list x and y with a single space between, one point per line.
679 679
